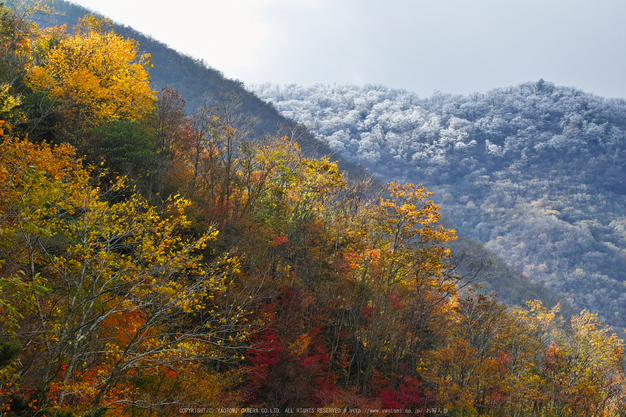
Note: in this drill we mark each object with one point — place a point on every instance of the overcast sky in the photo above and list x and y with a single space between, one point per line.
454 46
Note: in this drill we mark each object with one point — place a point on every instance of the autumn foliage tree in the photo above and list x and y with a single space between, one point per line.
93 76
101 291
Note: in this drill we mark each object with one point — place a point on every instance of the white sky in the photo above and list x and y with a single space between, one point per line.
454 46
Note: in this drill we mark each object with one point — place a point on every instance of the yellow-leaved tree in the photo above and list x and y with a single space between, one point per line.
93 76
405 288
96 295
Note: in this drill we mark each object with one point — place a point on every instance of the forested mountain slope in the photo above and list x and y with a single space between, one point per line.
195 81
154 262
536 172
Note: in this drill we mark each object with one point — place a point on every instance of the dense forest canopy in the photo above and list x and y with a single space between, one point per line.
154 259
536 172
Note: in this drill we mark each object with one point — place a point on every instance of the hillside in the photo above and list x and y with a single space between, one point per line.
195 80
536 172
198 84
154 262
